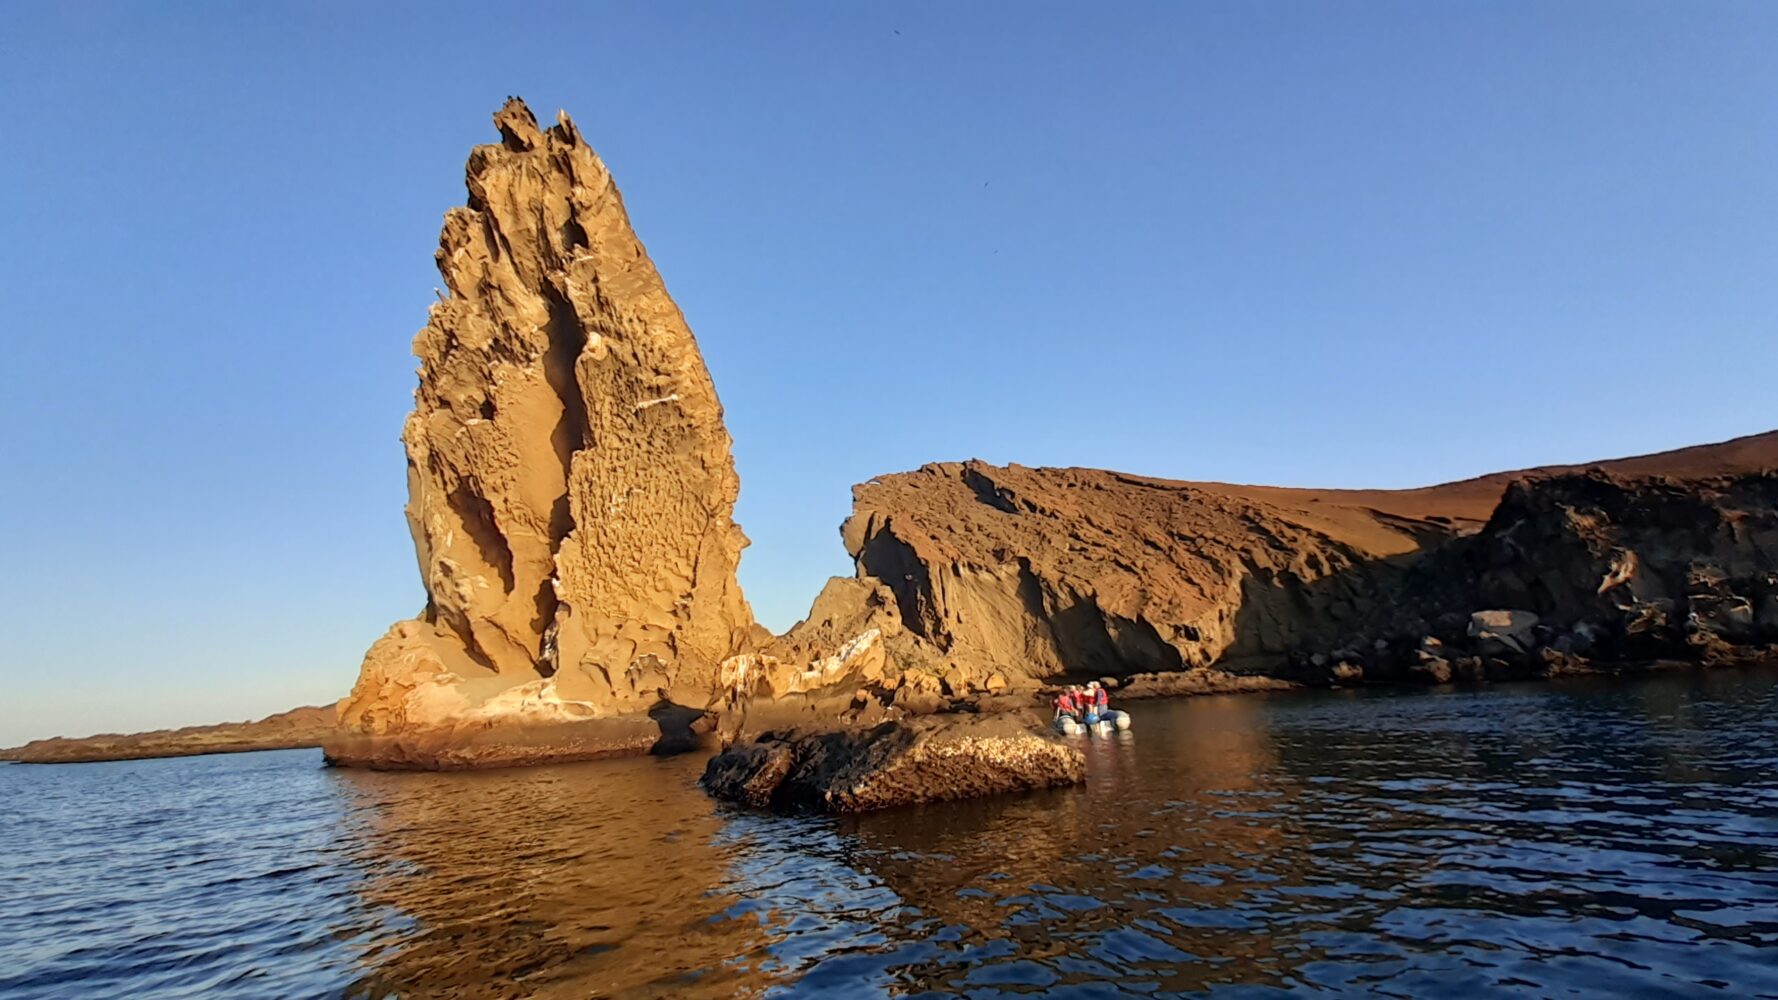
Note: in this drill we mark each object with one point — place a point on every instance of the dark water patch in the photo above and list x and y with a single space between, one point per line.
1593 839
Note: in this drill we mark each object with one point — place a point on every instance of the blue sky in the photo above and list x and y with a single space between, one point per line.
1379 244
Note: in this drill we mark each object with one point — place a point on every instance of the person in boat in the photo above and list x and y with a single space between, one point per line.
1082 704
1101 700
1067 705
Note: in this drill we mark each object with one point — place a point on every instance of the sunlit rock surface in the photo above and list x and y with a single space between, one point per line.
570 485
926 759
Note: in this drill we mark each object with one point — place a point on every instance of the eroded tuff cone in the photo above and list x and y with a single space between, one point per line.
1044 573
570 485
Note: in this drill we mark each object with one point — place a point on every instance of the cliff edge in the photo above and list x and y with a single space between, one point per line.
1042 574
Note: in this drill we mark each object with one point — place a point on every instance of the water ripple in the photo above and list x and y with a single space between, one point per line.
1607 839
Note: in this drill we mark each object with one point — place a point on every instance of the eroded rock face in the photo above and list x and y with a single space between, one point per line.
1039 573
927 759
571 490
1642 567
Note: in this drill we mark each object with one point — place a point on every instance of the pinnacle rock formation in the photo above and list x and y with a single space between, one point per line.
570 484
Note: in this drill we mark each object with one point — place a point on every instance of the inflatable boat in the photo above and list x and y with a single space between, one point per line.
1099 725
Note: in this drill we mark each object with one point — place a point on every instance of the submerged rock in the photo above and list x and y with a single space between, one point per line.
928 759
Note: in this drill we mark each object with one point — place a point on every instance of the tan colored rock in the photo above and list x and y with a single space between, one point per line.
570 485
1043 573
959 681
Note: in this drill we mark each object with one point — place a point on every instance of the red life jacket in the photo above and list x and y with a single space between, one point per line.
1065 702
1100 699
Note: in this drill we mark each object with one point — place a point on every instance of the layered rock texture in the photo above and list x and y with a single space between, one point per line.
1578 573
922 759
1050 573
299 728
570 486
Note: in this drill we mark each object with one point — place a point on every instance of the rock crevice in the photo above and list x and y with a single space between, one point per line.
571 490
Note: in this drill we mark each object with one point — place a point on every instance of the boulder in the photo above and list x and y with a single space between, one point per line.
1514 625
1728 616
897 763
1767 616
1431 670
958 682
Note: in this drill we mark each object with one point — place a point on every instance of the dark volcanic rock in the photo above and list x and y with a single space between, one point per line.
925 759
1583 573
1652 564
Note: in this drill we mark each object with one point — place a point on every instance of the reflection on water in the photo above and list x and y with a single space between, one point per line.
559 879
1605 838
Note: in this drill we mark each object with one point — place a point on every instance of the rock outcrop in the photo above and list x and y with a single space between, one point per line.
1043 572
1580 573
299 728
926 759
571 491
1080 573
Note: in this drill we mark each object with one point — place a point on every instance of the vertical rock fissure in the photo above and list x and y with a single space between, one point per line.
477 516
567 338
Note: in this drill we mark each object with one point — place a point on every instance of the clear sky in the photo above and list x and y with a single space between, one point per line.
1342 244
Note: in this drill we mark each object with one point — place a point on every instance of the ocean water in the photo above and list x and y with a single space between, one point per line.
1578 839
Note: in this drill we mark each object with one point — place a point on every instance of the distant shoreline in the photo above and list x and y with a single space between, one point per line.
297 729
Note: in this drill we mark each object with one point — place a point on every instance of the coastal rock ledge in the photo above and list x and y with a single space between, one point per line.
921 759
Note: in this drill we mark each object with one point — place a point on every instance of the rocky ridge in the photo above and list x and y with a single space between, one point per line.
1044 574
1581 573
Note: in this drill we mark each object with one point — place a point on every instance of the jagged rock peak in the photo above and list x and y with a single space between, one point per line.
571 489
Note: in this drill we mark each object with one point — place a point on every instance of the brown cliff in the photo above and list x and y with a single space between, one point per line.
1044 573
298 728
570 485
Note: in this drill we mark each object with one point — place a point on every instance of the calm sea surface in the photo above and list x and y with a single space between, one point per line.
1604 839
